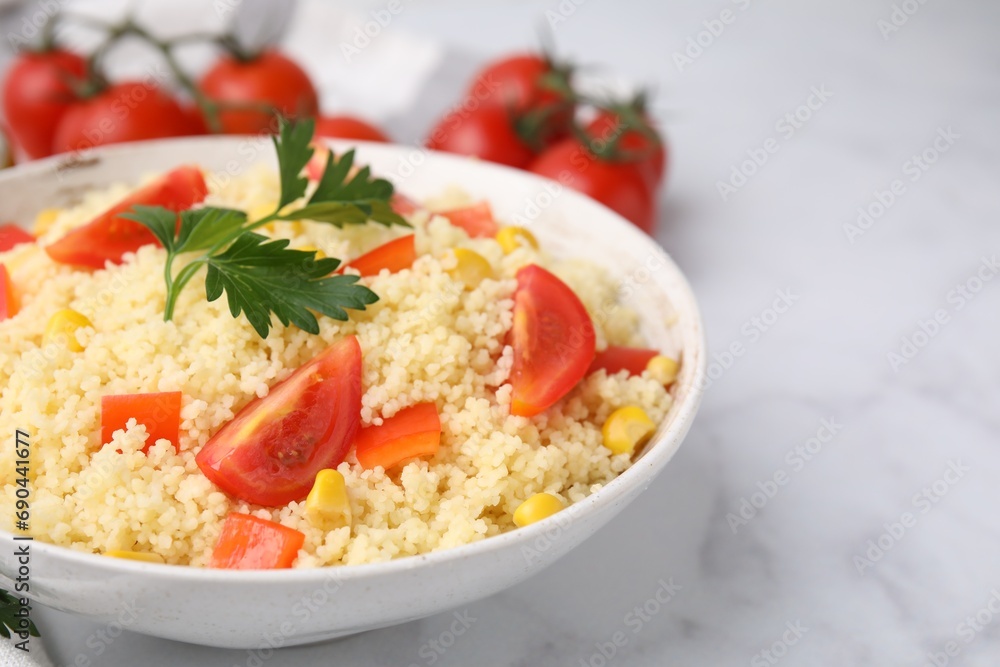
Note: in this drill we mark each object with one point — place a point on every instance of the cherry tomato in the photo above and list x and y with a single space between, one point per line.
248 542
160 413
529 85
108 237
270 452
348 127
477 220
36 94
411 432
487 132
553 340
196 121
608 126
128 111
615 358
618 185
395 255
11 235
269 78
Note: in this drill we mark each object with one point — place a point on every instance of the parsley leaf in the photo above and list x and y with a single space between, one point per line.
260 277
294 152
199 229
10 605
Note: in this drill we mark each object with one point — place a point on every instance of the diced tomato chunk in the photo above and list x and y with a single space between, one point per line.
411 432
9 304
477 220
12 235
395 255
403 205
250 543
616 358
108 237
160 413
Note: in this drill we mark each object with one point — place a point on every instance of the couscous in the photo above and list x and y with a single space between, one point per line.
423 421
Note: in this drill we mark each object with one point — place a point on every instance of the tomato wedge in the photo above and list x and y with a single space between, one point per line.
12 235
108 237
9 304
477 220
553 340
395 255
616 358
403 205
270 452
160 413
250 543
413 431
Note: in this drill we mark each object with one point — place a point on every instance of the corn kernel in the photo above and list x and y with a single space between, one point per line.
663 369
63 325
142 556
536 508
471 268
512 238
327 504
311 248
44 220
627 428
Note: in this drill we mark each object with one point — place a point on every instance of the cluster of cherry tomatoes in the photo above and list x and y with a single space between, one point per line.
523 111
520 111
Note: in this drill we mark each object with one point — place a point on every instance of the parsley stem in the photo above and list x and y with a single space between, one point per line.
177 286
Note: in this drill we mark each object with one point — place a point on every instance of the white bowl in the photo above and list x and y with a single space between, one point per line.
252 609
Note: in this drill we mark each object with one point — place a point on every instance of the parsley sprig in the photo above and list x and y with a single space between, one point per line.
260 276
9 608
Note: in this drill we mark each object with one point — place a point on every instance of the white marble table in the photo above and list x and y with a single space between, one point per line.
870 531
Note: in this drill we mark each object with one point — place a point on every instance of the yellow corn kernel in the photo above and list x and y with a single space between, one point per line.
327 502
663 369
143 556
536 508
311 248
44 220
626 429
512 238
63 325
471 268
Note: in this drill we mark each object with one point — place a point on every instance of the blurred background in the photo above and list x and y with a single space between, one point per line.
830 191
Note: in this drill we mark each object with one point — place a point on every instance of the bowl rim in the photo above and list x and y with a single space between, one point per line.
642 471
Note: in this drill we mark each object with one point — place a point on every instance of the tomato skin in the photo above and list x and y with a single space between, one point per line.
11 235
9 304
127 111
160 413
477 220
618 185
517 83
269 78
553 339
653 167
487 133
395 255
349 127
411 432
270 452
36 94
108 237
616 358
250 543
403 205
